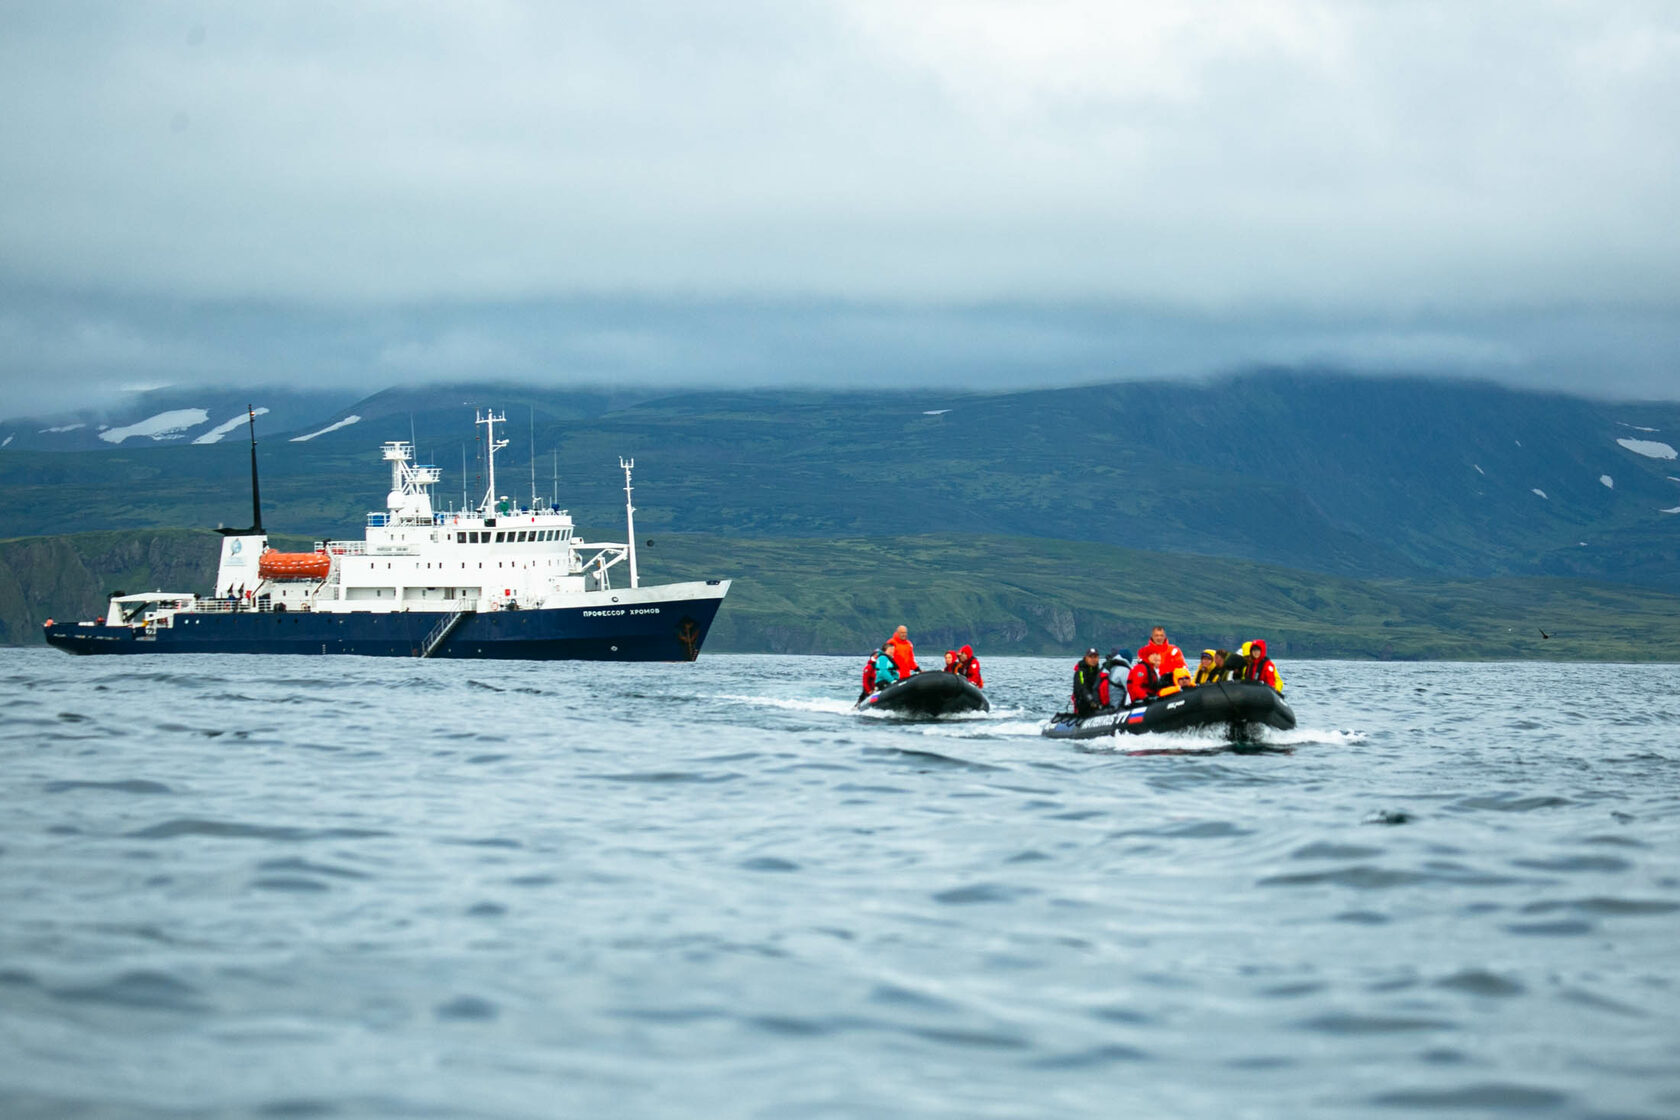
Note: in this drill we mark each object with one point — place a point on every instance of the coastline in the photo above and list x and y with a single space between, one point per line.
1007 596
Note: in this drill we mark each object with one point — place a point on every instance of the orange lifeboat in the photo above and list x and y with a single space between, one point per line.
273 564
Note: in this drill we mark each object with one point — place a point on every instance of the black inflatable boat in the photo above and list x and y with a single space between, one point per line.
1238 706
927 694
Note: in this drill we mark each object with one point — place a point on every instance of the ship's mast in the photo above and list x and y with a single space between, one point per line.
491 445
629 519
256 500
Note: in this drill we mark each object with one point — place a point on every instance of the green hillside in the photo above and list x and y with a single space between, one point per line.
1354 477
1002 594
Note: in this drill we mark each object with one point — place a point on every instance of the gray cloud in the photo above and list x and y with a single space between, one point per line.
872 190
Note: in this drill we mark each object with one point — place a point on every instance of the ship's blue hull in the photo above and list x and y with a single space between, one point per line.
657 631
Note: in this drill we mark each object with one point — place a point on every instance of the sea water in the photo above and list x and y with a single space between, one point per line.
272 886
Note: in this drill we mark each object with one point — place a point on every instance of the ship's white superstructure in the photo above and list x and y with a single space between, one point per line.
499 556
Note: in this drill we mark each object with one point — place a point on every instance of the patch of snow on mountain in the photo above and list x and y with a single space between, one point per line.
344 423
7 440
1479 469
214 435
165 425
1636 427
1609 483
62 428
1650 448
1542 493
936 412
1676 509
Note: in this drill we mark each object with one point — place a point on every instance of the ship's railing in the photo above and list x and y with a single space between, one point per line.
342 548
243 606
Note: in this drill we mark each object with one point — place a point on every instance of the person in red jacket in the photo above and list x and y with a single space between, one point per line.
1172 658
898 648
1145 679
967 666
1260 667
869 675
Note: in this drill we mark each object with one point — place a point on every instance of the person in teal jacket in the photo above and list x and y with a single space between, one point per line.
886 670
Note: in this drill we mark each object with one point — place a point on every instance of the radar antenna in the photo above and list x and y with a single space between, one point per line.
629 519
491 445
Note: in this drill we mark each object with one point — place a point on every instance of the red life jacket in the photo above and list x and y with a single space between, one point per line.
869 674
1143 682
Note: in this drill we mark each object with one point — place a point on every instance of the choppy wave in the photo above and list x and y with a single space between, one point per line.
279 886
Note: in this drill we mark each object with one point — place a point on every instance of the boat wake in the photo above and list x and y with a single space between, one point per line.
1211 741
827 705
983 725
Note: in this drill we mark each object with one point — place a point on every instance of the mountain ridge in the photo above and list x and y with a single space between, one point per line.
1352 476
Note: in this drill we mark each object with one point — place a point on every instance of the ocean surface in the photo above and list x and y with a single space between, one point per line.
300 887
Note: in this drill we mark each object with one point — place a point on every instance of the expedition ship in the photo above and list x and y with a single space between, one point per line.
498 581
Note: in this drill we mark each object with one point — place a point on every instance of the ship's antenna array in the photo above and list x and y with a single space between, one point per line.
491 445
533 458
629 519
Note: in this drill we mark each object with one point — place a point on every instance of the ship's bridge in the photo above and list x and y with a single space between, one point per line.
498 555
410 500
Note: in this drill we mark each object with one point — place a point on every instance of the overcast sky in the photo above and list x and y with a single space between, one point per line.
982 193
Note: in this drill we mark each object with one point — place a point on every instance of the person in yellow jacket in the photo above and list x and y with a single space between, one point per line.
1212 667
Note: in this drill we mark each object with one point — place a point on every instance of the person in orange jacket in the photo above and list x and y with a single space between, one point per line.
898 648
1172 658
967 666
